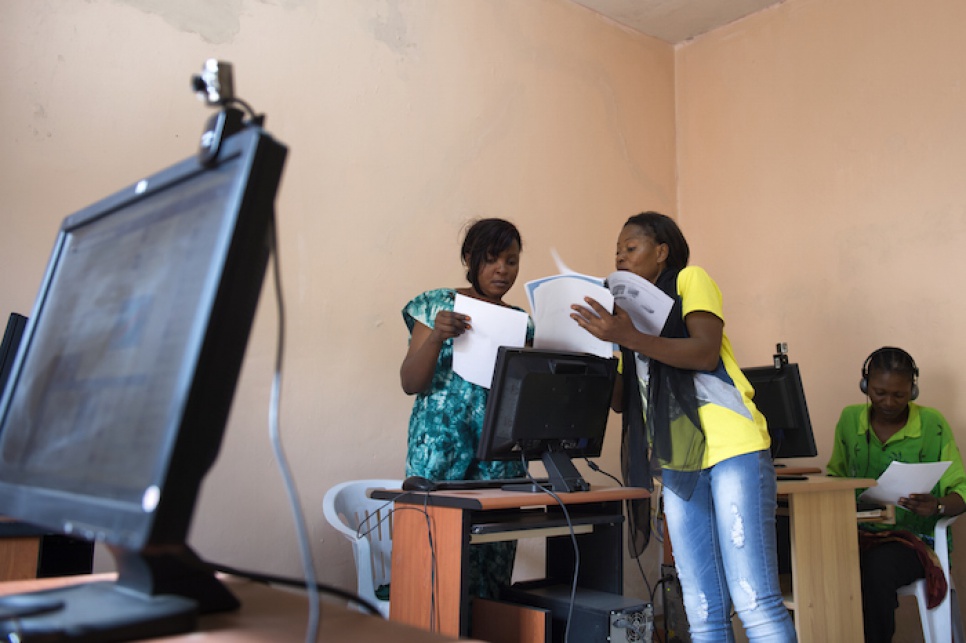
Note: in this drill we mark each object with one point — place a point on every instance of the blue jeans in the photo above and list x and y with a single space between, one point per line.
725 551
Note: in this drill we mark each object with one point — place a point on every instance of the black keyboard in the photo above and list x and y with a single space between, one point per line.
496 483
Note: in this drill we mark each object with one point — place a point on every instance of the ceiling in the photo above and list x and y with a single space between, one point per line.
675 21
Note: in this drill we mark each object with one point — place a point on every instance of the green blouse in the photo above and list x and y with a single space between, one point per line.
926 437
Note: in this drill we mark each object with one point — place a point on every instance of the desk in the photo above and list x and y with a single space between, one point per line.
826 591
268 615
454 516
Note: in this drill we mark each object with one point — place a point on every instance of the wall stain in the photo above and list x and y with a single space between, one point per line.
389 27
215 21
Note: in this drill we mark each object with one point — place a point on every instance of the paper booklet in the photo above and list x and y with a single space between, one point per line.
551 299
903 479
648 305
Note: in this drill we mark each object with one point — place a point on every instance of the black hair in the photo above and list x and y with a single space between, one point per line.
890 359
663 229
485 239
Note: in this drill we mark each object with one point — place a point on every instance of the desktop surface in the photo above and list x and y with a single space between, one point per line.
490 499
268 614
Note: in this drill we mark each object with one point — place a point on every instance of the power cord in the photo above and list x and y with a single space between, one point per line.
573 540
270 579
301 531
640 567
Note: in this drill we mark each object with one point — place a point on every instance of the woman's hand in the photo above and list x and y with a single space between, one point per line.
450 324
419 365
921 504
699 351
600 323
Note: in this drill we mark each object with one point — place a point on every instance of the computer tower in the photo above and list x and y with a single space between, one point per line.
675 619
597 616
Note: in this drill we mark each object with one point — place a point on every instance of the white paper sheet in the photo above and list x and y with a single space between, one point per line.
647 305
903 479
550 301
474 352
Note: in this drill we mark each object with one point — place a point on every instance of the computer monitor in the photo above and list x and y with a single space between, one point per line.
11 342
117 401
548 405
781 399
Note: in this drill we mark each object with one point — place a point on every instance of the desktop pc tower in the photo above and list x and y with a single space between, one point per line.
597 616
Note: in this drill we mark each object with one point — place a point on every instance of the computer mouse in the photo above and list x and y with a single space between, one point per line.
418 483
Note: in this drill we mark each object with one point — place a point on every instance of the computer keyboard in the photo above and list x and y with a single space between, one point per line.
497 483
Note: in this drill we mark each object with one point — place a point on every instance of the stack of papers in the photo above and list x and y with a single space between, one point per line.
551 299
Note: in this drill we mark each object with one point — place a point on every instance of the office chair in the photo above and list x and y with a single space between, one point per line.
368 526
943 623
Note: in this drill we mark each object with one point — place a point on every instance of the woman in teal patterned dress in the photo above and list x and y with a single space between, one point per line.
447 415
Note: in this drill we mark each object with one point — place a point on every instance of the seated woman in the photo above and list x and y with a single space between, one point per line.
890 427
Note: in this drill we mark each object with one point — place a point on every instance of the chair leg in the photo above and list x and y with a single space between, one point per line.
959 636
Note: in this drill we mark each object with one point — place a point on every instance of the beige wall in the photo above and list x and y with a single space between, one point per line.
404 119
815 171
821 146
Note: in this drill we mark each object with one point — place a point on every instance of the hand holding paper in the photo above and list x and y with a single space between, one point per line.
903 479
647 305
550 302
474 352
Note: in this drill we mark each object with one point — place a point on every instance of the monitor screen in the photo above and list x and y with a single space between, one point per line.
118 398
547 405
781 399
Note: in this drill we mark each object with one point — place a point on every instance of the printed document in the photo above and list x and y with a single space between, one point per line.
647 305
902 479
551 299
474 352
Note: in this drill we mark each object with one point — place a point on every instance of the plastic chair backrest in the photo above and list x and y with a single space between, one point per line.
367 524
937 623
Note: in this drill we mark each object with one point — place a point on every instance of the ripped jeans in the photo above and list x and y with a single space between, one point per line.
724 545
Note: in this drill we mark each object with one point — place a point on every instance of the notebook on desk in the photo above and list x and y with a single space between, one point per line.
865 509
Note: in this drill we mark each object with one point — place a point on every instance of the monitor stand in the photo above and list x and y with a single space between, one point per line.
562 475
156 594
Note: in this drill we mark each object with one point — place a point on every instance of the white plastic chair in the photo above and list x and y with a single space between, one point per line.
937 623
368 526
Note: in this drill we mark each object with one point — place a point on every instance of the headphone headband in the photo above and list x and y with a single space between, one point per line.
903 355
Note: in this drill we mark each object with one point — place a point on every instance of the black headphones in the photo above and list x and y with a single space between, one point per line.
901 354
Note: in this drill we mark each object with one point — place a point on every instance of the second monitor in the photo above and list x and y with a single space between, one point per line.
549 406
780 397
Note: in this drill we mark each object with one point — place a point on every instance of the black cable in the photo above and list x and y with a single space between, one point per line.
360 533
594 467
270 579
257 119
637 559
573 540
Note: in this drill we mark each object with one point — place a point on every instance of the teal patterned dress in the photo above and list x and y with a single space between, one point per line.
444 431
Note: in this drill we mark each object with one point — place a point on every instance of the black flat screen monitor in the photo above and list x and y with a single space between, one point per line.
550 406
117 401
11 342
781 399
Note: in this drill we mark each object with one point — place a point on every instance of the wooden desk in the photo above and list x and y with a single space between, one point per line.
451 517
268 615
19 550
826 591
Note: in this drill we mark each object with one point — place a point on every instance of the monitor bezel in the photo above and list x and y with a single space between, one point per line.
219 336
492 445
788 382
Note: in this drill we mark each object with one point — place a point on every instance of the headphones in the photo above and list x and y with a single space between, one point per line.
899 354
